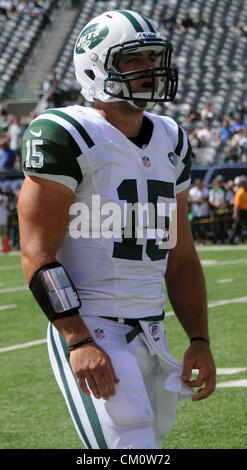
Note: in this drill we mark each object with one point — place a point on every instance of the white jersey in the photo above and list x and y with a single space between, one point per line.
75 146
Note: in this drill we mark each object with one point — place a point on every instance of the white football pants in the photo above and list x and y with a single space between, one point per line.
142 411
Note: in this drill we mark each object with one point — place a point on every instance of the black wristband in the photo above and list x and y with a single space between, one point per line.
55 292
81 343
199 338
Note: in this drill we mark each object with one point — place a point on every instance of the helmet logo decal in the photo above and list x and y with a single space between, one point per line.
145 35
90 37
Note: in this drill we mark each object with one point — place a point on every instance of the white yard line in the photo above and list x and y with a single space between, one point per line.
225 370
13 289
224 281
6 307
24 345
212 263
221 248
10 266
11 253
233 383
230 370
238 300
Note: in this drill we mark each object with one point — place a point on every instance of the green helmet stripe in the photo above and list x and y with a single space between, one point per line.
133 21
149 24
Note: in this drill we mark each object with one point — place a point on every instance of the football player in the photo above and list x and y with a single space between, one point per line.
94 260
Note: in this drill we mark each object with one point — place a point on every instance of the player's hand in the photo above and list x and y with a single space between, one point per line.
94 371
198 356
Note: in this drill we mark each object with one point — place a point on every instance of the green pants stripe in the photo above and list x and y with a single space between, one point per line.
79 404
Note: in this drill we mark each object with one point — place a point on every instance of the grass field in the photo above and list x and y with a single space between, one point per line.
33 412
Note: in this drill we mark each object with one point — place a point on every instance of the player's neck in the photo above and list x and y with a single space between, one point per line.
120 115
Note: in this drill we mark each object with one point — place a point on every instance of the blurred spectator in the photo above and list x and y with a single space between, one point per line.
168 23
240 212
193 116
207 113
55 95
237 109
24 8
237 124
206 135
195 141
242 30
230 200
223 132
230 194
14 131
187 22
218 210
13 229
198 198
199 21
3 213
38 9
232 153
241 138
3 117
7 8
7 155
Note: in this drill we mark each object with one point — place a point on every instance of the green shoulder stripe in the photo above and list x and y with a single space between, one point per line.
180 143
83 133
48 148
50 130
186 173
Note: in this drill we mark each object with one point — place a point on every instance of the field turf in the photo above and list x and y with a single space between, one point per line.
33 412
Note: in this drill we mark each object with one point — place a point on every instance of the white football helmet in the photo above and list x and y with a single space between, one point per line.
99 48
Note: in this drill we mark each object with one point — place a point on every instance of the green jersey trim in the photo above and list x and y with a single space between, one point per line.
53 152
183 150
180 143
83 133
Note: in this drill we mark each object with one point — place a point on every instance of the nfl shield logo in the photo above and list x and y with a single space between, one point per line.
146 161
153 328
99 333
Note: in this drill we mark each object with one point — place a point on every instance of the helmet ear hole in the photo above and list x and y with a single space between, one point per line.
90 74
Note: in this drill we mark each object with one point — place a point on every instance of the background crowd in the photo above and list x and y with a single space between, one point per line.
211 207
13 8
218 213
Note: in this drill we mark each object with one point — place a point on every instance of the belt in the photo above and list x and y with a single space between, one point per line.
135 323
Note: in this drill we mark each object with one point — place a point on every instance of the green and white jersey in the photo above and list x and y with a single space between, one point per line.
117 269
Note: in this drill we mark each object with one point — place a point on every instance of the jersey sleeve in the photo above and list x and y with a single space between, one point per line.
184 162
49 151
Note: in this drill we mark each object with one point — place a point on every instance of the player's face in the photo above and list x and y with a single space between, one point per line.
137 61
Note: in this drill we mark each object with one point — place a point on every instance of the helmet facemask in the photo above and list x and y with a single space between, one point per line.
161 78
